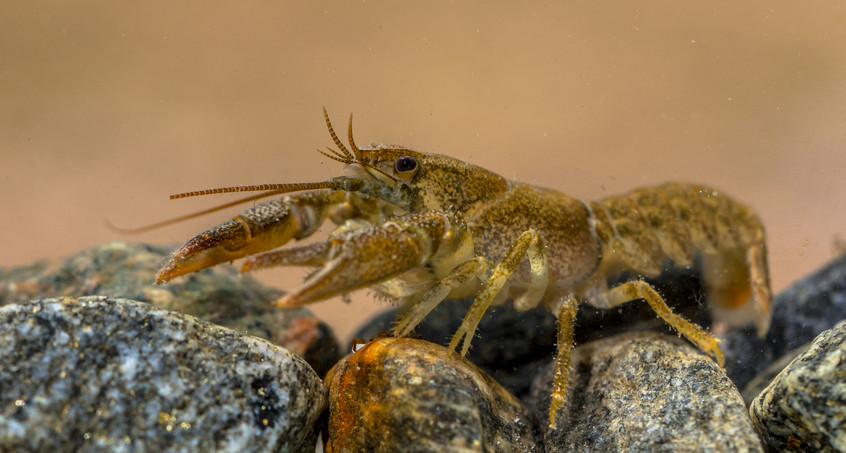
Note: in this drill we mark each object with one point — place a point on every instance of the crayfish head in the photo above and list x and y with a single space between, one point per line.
433 181
415 180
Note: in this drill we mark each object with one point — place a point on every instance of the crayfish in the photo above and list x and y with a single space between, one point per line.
419 227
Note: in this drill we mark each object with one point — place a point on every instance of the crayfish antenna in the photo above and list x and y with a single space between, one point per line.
182 218
269 191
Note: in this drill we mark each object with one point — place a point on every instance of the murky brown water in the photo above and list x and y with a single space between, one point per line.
108 107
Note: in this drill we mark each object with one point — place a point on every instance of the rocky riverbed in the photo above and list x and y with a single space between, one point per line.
96 358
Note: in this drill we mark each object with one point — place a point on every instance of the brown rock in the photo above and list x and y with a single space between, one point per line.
400 394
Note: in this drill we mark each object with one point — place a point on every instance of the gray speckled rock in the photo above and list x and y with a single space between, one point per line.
401 394
646 392
100 374
219 294
804 408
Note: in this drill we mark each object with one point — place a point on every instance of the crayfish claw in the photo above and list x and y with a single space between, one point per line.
360 258
218 245
264 227
306 255
353 260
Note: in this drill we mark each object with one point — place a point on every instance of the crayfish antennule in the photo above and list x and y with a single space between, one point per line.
355 149
336 156
335 138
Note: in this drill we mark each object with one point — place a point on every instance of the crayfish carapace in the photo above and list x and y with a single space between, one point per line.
419 227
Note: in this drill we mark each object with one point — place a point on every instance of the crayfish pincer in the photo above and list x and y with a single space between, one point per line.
419 227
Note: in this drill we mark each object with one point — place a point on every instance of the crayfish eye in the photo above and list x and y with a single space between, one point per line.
405 167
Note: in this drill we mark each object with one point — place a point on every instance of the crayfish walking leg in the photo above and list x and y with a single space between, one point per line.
639 289
566 322
627 292
418 309
528 244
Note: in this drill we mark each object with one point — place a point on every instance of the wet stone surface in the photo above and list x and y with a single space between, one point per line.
510 346
635 391
804 408
399 394
645 392
102 374
219 295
